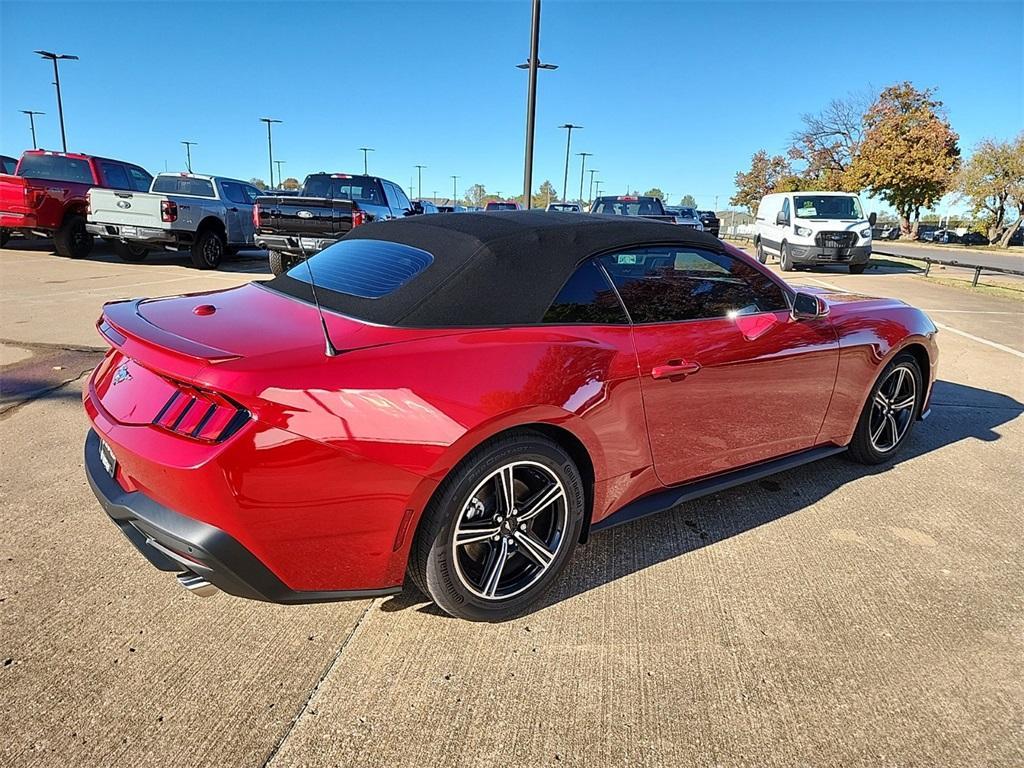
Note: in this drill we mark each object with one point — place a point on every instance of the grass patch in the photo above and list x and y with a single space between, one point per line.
986 289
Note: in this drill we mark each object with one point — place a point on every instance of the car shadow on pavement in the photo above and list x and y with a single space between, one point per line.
959 413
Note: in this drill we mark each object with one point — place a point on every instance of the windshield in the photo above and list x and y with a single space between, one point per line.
359 189
688 213
56 168
642 207
827 207
183 185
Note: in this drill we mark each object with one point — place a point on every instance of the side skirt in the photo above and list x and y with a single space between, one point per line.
662 501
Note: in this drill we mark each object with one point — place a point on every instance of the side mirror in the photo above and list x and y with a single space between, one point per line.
872 218
807 306
781 218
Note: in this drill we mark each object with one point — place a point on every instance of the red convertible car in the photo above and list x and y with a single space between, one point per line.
462 399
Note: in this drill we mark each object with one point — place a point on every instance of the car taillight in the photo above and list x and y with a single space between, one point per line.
168 210
256 216
358 218
201 415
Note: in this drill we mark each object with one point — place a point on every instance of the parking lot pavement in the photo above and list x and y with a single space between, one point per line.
830 615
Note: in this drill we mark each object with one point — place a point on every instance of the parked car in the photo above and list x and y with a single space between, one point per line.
632 205
564 207
605 378
8 164
451 209
974 238
808 228
885 232
210 216
685 216
329 206
502 205
710 221
424 206
945 237
926 232
46 196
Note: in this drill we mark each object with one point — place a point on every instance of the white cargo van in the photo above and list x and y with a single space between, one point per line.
807 228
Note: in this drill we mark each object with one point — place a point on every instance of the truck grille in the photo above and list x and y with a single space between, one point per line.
835 239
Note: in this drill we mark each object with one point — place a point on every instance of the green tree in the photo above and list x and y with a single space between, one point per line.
476 195
258 183
290 183
909 155
762 178
993 181
688 201
546 194
655 192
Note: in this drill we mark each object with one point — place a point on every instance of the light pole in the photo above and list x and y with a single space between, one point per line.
279 163
188 153
270 146
568 142
533 64
419 180
366 151
32 124
590 189
455 181
583 164
55 57
597 188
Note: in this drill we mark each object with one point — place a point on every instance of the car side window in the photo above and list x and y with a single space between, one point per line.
785 209
401 202
586 299
677 283
252 193
140 180
233 191
115 175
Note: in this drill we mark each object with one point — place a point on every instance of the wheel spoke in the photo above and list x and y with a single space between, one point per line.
881 401
878 432
902 405
901 375
506 489
891 420
494 567
466 536
541 501
534 549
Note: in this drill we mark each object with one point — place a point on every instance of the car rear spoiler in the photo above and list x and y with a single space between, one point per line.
121 324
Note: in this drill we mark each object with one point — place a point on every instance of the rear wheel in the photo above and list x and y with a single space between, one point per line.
72 239
890 412
761 255
130 252
500 529
208 249
5 235
281 262
857 269
785 260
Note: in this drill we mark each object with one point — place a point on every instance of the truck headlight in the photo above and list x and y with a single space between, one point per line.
802 231
866 233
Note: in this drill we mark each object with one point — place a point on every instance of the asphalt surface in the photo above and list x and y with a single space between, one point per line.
828 616
957 253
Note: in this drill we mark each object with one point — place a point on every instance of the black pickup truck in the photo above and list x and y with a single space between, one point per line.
632 205
325 210
710 221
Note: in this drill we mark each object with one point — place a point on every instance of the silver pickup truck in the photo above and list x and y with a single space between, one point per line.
211 216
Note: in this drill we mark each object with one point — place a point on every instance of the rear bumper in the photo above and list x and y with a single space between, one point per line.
134 234
174 542
22 221
816 254
291 244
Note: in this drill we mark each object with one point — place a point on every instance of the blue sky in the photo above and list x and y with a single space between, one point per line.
672 94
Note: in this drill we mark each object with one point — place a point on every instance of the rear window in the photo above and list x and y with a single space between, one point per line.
55 168
359 189
502 207
369 269
634 207
183 185
8 164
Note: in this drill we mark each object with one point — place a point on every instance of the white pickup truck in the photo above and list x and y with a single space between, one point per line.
211 216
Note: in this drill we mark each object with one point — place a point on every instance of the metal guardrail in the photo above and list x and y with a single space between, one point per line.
978 268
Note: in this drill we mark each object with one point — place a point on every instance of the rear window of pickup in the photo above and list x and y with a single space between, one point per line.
359 189
55 168
183 185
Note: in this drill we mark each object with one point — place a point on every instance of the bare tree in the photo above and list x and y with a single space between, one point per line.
830 140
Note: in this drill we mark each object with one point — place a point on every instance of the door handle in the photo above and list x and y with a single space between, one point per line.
674 368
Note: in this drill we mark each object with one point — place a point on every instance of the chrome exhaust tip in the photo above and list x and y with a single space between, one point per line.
196 584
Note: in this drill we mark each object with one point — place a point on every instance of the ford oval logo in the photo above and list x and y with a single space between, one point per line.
122 374
123 204
304 215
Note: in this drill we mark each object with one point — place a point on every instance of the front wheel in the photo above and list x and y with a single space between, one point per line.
500 528
129 252
785 260
73 239
890 412
5 235
761 255
857 269
208 249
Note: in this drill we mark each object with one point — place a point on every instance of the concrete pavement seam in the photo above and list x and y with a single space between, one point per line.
8 409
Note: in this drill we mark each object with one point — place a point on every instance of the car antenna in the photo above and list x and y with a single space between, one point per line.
329 349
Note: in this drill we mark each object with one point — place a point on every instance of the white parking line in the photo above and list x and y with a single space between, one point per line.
974 312
972 337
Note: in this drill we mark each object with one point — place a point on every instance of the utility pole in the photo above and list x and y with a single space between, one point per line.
568 142
32 124
532 64
455 194
583 164
270 146
279 163
188 153
55 57
365 151
419 180
590 189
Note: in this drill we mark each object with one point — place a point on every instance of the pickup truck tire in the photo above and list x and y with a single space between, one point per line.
72 239
208 249
858 269
130 252
280 262
5 235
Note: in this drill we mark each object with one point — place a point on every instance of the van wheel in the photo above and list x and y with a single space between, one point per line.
857 269
761 255
281 262
208 249
785 260
72 239
129 252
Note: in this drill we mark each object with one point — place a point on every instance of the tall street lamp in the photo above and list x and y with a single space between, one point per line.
419 180
279 163
188 153
55 57
590 189
583 164
32 124
533 64
455 180
270 146
568 142
365 151
597 188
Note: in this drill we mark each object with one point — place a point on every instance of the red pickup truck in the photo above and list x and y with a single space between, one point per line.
46 196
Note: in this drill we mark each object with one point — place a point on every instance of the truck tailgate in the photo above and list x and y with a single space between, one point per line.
305 215
119 206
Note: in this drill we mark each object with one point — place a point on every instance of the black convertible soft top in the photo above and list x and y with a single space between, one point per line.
489 269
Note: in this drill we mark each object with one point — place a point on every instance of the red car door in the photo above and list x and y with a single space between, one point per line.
728 377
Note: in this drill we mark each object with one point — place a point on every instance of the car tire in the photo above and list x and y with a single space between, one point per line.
762 256
785 260
208 250
890 412
5 236
858 269
280 262
72 239
509 556
131 253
